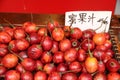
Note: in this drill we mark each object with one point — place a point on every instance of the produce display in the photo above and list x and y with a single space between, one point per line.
56 52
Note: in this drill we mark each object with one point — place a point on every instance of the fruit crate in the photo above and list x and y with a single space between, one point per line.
41 20
115 35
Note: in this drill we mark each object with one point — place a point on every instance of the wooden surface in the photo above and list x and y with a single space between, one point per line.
116 42
115 35
115 21
39 19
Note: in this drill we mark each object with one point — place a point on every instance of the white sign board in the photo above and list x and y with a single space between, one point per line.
97 20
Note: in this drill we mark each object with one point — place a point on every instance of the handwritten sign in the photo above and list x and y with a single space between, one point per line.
97 20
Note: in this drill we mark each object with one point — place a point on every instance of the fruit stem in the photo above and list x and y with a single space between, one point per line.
45 34
69 71
89 48
15 54
94 73
11 25
27 37
1 27
49 32
40 68
66 72
81 44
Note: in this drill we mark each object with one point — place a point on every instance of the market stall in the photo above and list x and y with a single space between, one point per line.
35 43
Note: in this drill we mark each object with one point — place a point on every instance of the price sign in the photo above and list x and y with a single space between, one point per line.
97 20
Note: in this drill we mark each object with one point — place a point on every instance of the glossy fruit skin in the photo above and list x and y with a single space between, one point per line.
101 67
46 57
65 44
58 34
22 44
106 58
29 27
5 37
85 76
46 43
70 55
67 31
81 55
107 35
12 46
20 68
40 75
2 70
55 47
62 67
110 53
75 66
85 44
19 33
100 76
58 57
88 33
69 76
28 64
91 64
101 47
23 54
49 68
39 65
84 68
3 50
112 65
27 76
99 38
52 25
54 76
34 51
10 60
12 75
42 31
76 33
9 30
108 44
99 54
113 76
34 38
